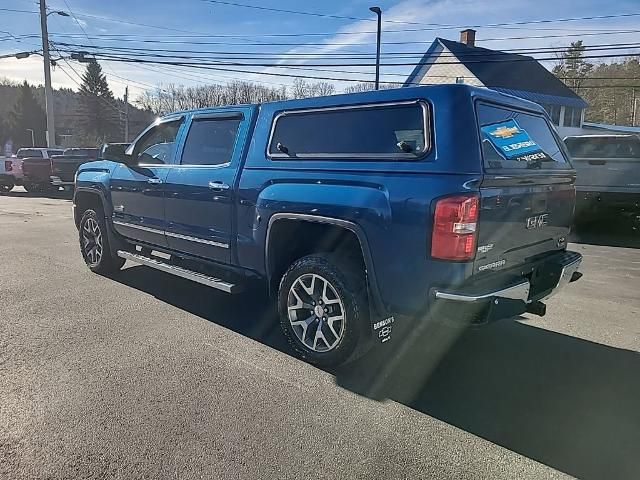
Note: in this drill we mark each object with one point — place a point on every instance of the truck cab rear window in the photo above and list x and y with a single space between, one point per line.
514 139
25 153
604 147
383 132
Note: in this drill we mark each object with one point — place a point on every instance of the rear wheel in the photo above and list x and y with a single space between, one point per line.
6 187
323 309
94 244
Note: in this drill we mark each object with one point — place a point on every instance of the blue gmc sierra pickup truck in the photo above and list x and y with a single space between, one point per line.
358 213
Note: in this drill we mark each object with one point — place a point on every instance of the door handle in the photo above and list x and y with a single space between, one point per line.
154 181
597 162
219 186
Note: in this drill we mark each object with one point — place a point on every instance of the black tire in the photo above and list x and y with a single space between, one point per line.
99 260
349 287
37 187
6 187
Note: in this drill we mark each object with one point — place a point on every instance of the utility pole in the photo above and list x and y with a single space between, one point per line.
378 12
126 114
634 109
48 91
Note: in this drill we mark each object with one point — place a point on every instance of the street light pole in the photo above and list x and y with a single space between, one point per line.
33 141
48 91
378 12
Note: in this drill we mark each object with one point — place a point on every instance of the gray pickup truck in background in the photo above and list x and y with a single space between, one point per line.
608 175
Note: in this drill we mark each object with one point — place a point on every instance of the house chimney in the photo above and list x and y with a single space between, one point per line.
468 37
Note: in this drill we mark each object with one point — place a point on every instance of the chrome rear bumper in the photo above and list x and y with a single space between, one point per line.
520 291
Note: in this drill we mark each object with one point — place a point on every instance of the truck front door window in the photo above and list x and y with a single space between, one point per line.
156 147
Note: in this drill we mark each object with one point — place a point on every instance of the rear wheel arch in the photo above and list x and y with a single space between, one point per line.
335 236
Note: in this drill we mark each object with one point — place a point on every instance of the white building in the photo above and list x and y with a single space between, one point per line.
447 61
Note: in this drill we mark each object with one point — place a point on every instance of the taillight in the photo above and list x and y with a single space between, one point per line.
8 165
454 227
51 166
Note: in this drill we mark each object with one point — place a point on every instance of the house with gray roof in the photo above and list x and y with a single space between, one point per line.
447 61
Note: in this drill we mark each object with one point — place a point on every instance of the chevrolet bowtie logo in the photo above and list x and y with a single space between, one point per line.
505 132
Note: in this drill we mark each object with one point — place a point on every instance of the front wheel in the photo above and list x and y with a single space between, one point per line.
94 244
6 187
323 310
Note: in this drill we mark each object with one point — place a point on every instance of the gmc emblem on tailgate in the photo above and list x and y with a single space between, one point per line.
538 221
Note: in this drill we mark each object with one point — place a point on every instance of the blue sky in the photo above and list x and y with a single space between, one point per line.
144 24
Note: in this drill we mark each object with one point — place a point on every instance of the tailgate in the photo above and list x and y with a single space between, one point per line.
522 217
66 168
603 174
527 195
36 169
606 162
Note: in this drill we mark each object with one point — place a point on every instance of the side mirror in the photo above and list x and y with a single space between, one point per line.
116 153
127 159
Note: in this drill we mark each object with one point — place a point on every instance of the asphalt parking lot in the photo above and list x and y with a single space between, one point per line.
147 376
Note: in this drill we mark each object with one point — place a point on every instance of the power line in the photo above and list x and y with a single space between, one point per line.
317 14
82 93
133 36
192 76
518 24
15 10
188 40
79 24
345 56
309 67
109 56
434 25
215 67
100 98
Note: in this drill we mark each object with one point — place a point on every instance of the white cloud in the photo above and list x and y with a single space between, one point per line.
459 13
456 12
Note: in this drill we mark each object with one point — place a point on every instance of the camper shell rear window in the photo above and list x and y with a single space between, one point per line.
517 139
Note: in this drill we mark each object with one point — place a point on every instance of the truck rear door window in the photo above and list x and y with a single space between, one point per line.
386 132
516 139
210 141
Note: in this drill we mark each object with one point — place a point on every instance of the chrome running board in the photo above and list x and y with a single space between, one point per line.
180 272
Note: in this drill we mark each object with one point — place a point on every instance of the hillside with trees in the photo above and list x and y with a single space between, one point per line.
611 89
87 117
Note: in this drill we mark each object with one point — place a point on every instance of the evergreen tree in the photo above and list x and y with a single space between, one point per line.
27 113
572 68
99 110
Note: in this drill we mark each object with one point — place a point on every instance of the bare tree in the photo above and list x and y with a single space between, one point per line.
170 98
368 86
303 89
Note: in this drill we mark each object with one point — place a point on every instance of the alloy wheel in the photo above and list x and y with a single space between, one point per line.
316 312
92 241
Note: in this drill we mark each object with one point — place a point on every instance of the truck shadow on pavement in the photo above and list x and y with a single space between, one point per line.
57 195
569 403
